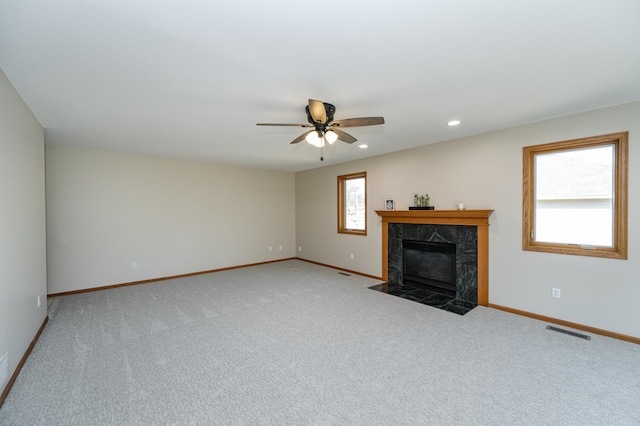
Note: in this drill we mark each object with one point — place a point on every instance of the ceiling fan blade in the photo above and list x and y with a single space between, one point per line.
344 136
301 137
358 122
317 111
283 124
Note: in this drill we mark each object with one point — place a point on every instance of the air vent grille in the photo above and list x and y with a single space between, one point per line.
569 332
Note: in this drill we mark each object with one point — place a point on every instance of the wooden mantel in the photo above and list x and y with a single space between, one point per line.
478 218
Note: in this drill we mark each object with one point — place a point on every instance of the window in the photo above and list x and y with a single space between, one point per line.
575 197
352 204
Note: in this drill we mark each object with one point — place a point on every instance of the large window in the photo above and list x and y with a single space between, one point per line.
352 204
575 197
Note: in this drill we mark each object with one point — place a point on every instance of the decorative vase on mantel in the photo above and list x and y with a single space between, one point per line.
421 202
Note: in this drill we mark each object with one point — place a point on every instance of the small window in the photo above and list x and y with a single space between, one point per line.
352 204
575 197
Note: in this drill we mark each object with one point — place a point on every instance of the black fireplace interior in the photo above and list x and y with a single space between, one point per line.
431 265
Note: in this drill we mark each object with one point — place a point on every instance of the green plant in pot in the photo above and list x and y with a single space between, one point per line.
421 200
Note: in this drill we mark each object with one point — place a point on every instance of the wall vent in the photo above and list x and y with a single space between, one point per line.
4 370
570 333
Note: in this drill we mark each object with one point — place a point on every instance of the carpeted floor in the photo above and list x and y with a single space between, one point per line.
299 344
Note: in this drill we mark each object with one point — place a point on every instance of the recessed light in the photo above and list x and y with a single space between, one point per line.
363 146
453 123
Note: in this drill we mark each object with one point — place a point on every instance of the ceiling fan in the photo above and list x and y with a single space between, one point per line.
320 117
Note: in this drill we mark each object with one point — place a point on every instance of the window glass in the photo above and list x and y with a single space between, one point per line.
574 196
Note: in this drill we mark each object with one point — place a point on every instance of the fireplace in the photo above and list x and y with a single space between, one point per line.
431 265
467 229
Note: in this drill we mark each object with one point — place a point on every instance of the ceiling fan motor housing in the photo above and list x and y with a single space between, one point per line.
330 110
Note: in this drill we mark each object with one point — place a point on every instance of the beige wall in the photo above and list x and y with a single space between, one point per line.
106 210
485 172
22 226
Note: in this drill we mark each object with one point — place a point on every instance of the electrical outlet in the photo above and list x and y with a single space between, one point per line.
351 256
134 265
555 293
299 248
279 247
270 248
38 301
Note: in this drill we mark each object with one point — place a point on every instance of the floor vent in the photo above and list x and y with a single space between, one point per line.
344 273
570 333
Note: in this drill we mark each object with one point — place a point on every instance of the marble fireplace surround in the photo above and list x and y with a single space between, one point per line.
466 218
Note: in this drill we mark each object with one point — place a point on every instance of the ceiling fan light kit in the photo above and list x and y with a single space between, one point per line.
330 136
318 139
314 139
320 117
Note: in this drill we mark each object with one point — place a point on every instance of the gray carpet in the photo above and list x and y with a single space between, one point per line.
293 343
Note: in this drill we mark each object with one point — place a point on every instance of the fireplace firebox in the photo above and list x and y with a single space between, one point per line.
431 265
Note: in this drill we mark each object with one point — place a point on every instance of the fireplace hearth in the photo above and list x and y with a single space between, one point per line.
426 297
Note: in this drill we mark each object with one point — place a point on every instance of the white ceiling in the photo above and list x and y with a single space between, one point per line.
191 78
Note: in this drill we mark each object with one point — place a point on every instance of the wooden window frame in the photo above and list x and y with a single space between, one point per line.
619 249
342 229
